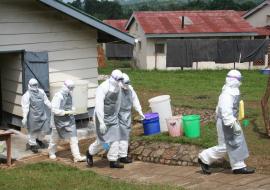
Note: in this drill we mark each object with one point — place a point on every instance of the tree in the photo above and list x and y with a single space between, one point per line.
223 5
196 5
77 4
103 9
248 5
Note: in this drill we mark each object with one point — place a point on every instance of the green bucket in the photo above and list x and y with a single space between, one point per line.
191 125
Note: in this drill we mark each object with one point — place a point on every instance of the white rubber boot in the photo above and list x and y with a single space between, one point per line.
52 150
53 144
74 147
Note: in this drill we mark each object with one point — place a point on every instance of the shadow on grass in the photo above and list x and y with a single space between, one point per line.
257 130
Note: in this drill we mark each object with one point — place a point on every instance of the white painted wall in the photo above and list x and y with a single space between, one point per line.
139 54
260 18
155 61
71 45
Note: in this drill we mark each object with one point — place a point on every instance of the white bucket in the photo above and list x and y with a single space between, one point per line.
162 105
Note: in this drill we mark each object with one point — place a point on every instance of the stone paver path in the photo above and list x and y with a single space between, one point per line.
188 177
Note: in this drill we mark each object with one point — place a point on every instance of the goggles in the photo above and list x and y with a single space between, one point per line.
118 79
127 82
238 78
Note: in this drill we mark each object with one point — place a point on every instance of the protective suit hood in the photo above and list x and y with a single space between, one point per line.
116 78
233 82
68 87
33 85
126 81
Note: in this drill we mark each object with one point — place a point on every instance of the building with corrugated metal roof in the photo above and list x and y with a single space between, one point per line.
50 41
152 29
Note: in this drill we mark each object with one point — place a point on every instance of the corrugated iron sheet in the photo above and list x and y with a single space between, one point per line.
168 22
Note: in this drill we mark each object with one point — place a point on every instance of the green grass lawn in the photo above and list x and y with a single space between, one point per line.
52 176
186 88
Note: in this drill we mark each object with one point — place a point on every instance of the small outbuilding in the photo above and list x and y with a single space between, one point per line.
51 41
154 29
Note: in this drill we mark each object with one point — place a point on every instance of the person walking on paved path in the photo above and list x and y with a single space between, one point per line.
108 99
64 122
129 99
231 139
36 115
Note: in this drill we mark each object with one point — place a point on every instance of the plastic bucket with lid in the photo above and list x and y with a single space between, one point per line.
162 106
151 124
174 125
191 125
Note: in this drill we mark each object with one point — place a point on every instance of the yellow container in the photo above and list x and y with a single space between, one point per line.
241 114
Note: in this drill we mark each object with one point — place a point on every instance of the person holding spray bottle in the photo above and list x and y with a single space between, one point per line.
231 138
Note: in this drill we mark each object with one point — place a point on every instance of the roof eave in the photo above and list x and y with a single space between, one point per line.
228 34
92 21
130 21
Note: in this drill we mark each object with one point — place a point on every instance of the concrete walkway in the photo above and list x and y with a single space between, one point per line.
19 141
185 176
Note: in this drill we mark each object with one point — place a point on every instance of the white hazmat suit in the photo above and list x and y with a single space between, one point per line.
231 139
129 99
108 97
64 122
36 115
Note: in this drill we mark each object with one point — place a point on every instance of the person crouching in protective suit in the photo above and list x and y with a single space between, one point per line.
129 99
108 99
231 139
36 115
64 122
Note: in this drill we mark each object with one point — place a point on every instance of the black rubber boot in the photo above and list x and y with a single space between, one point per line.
125 160
244 170
34 148
205 167
116 164
41 144
89 159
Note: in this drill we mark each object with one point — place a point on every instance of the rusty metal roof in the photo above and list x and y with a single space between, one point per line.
263 31
119 24
170 22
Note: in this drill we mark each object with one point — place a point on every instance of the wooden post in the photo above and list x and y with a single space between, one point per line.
8 143
265 110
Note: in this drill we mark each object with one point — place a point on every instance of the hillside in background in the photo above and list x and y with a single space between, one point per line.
123 9
132 2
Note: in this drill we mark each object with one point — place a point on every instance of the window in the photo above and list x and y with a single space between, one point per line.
159 48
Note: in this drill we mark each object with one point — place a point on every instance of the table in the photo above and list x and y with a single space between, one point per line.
6 136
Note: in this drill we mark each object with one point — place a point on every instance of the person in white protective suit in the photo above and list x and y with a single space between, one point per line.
108 98
64 122
231 139
129 99
36 115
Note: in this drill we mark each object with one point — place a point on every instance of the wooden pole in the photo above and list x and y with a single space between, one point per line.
265 110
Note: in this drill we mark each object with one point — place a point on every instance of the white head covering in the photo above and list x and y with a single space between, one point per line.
68 86
116 78
126 81
33 85
233 82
